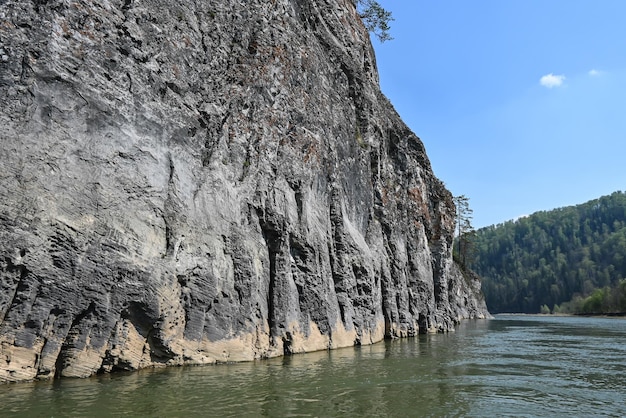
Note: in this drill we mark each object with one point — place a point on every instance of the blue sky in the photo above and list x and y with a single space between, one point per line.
521 104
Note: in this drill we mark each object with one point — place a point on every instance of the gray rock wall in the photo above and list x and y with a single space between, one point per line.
204 181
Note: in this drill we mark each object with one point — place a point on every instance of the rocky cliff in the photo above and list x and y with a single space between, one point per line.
204 181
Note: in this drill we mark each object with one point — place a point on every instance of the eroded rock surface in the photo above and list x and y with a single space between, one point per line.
205 181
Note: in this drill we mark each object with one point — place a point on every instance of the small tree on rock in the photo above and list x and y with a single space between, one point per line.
464 251
375 18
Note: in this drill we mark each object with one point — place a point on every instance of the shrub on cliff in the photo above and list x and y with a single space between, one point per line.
375 18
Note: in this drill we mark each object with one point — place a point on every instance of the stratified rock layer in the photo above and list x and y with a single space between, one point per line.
204 181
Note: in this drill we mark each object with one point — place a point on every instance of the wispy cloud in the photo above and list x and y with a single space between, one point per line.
595 73
551 80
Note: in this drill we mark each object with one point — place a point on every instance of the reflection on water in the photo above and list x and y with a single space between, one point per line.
512 365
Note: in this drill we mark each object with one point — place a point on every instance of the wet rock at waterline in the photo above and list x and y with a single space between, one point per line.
205 181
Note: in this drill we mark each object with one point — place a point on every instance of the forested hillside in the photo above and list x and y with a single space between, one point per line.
569 259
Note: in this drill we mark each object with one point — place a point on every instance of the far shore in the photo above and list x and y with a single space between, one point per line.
594 315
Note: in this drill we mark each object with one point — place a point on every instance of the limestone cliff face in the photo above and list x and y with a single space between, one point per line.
203 181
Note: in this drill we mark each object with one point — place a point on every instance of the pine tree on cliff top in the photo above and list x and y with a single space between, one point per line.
375 18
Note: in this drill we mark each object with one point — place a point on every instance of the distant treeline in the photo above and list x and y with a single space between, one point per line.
569 260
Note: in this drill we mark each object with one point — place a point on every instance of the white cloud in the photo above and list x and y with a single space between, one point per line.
595 73
551 80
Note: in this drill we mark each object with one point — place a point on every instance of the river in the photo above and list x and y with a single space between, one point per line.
507 366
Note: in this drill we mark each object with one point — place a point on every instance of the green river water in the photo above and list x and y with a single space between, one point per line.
508 366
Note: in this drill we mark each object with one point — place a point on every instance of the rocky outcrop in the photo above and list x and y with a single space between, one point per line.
204 181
